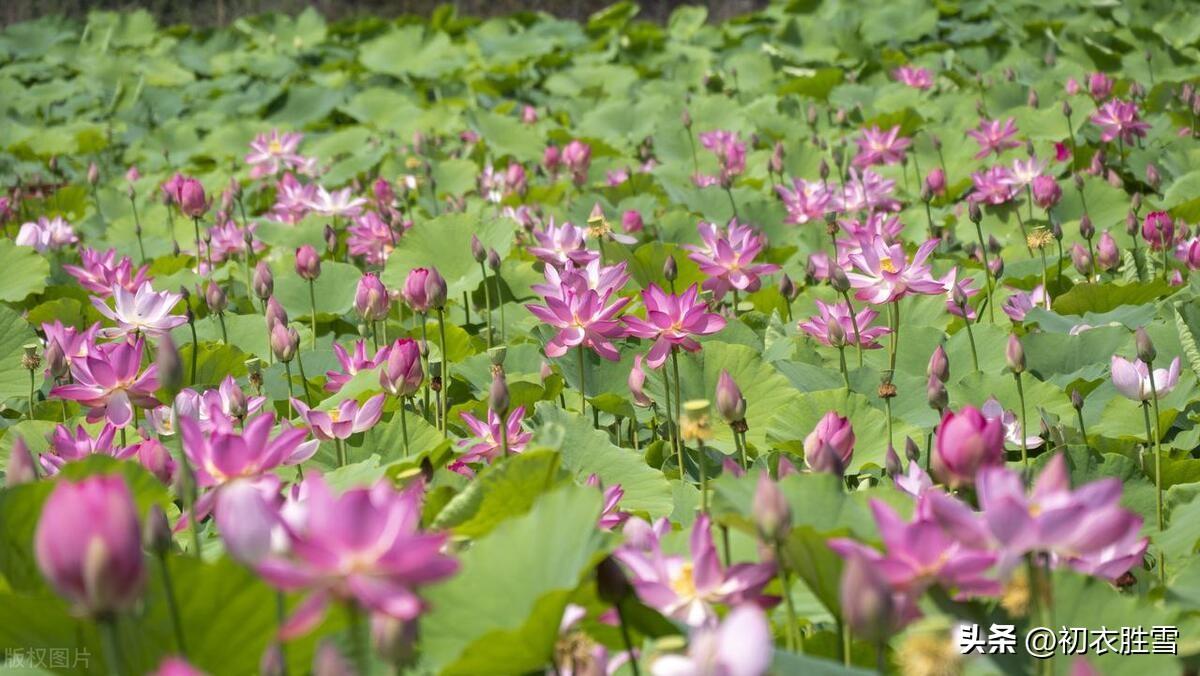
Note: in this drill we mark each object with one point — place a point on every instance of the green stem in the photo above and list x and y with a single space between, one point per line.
736 302
196 225
341 451
137 227
312 302
304 381
633 663
1024 423
703 477
793 622
287 365
358 637
678 402
503 433
971 338
224 333
281 619
844 635
32 380
739 446
404 426
111 646
1162 564
582 380
670 426
444 368
854 325
842 363
195 348
172 605
487 301
987 271
425 363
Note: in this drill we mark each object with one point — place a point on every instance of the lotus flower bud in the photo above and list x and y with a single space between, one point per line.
835 334
215 298
787 288
156 532
493 260
776 162
435 289
1066 108
414 290
631 221
170 366
382 189
868 607
192 201
477 250
838 279
1032 99
284 342
685 118
911 450
93 174
730 402
833 433
670 270
1158 228
936 181
974 213
891 462
1145 347
275 313
1086 229
967 441
21 468
331 239
823 169
996 265
371 299
1014 354
272 662
308 262
935 394
529 115
1076 399
1152 176
1046 192
56 360
770 509
263 282
498 399
611 584
939 364
826 460
1081 259
95 563
401 375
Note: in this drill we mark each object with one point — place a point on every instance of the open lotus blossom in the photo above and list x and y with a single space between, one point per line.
347 419
228 401
728 258
994 186
47 234
879 147
66 446
740 646
806 200
583 319
610 516
913 76
352 363
75 344
110 382
731 155
575 279
883 272
292 198
372 238
338 204
673 321
1020 303
100 272
994 136
1013 432
867 192
688 589
1024 171
143 312
965 286
274 152
1119 119
838 313
363 546
227 240
559 244
485 445
1133 378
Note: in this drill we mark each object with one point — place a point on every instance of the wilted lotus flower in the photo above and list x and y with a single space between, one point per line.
94 562
967 441
1132 379
832 435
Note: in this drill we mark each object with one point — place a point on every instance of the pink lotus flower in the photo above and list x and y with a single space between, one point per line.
1013 432
292 199
884 272
227 240
1133 379
994 136
1119 119
1158 229
917 78
583 318
1046 192
75 344
992 186
868 192
830 446
577 156
365 546
224 453
1020 303
637 384
558 245
1025 171
47 234
673 321
339 203
353 363
879 147
967 441
347 419
728 258
740 646
965 286
610 516
573 279
485 445
89 545
100 272
731 155
109 384
67 447
1100 86
688 590
144 312
271 154
401 375
839 313
414 290
373 239
805 201
215 407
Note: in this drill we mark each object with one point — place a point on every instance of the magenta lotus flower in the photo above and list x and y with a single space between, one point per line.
830 446
353 363
347 419
672 321
993 186
806 200
577 156
880 147
144 312
921 554
1020 303
1158 229
610 516
884 272
414 290
89 545
688 590
571 278
224 453
1133 378
913 76
66 446
371 300
838 313
373 239
994 136
191 199
967 441
965 286
337 204
731 155
1119 119
365 546
583 319
728 258
100 272
1046 191
215 407
271 154
559 244
292 199
401 375
1014 434
47 234
485 445
75 344
109 383
740 646
867 192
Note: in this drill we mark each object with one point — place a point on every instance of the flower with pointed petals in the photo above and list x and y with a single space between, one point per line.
838 313
867 192
992 186
66 446
583 318
47 234
485 445
572 278
559 244
879 147
637 384
292 199
75 344
1119 119
610 516
1024 171
994 136
339 203
884 273
143 312
363 546
224 453
353 363
731 155
270 154
1133 378
728 258
100 272
913 76
347 419
740 646
371 238
965 286
1012 426
673 320
1020 303
109 382
805 201
227 240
